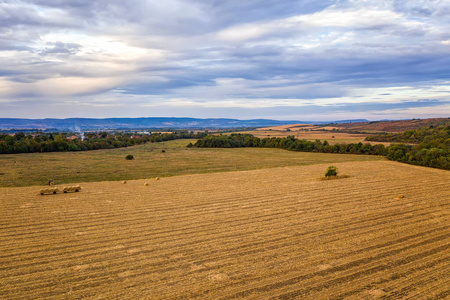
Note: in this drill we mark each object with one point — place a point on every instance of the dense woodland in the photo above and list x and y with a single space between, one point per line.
237 140
431 146
58 142
432 151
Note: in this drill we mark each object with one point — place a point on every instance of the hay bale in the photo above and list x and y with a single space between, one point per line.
146 184
399 197
70 189
157 178
124 182
42 192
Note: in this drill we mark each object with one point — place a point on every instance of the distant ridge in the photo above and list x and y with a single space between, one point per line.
77 124
351 121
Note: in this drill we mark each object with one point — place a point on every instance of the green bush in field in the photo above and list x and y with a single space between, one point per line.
331 171
129 157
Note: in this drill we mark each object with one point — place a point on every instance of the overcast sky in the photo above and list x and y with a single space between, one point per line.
244 59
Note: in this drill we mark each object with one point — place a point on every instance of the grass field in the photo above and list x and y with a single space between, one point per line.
104 165
278 233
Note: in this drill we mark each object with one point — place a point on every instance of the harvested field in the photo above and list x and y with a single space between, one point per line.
290 127
312 133
330 136
276 233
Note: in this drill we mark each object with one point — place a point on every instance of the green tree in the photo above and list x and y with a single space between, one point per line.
331 171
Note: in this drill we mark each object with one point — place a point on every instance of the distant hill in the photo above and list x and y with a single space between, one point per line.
393 126
351 121
81 124
84 124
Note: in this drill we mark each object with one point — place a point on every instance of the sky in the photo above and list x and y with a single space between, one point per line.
312 60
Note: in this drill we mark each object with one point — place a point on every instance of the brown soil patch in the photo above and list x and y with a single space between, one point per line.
218 277
324 267
376 293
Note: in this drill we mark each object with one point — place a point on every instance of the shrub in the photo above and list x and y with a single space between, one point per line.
129 157
331 171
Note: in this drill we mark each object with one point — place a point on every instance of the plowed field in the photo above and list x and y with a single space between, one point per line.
275 233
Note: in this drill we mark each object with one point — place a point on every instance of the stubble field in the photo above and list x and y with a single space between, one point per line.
277 233
312 133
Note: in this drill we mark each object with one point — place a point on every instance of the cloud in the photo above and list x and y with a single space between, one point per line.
224 55
61 48
57 87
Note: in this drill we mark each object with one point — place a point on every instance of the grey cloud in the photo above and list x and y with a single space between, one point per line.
237 11
11 15
61 48
422 8
175 17
163 88
303 70
23 14
339 108
63 109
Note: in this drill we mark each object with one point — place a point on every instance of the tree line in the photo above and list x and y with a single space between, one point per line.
430 146
59 142
237 140
424 154
437 136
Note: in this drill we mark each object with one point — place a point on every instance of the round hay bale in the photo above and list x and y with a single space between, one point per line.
157 178
41 192
78 187
146 184
124 182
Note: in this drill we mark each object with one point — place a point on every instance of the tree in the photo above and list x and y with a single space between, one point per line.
331 171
